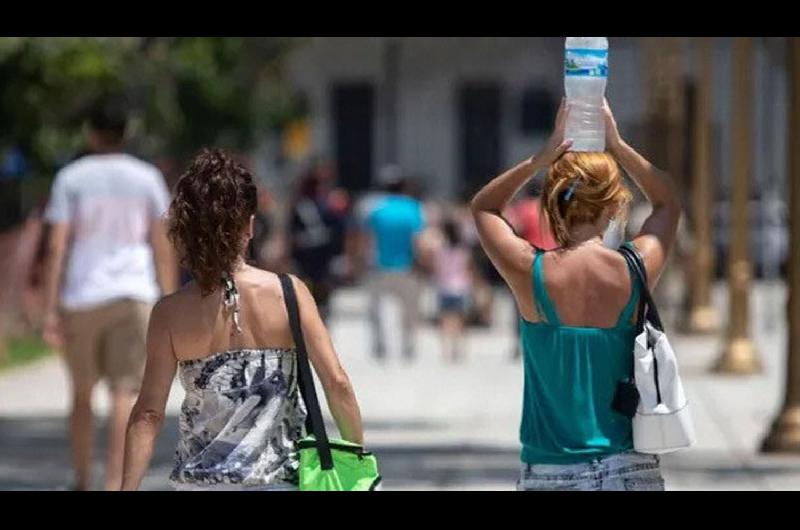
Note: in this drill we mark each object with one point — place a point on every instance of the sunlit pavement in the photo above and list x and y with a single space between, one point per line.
439 426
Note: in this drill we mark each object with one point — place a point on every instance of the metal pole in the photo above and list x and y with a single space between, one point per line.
784 436
739 355
703 317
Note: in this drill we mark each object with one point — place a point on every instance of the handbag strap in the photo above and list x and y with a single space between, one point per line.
648 309
305 377
635 260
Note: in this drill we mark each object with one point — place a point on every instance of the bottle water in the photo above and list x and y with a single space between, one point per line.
585 75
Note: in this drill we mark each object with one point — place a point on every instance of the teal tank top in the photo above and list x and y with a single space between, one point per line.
571 375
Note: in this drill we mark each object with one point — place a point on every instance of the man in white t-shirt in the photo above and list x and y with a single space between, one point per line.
109 261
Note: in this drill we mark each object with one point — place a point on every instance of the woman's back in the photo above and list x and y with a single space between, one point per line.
575 358
242 414
200 326
589 285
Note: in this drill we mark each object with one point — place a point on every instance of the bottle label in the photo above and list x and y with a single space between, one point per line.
586 62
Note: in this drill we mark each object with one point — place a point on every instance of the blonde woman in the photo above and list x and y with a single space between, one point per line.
577 306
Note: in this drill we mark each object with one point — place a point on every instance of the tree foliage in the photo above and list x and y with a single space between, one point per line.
185 92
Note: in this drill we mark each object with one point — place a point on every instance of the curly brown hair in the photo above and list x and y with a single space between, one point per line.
214 200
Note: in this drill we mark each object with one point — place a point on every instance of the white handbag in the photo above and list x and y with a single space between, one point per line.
662 423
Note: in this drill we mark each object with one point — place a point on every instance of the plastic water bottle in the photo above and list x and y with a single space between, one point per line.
585 76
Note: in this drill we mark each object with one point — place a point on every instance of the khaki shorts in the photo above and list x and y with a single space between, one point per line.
107 342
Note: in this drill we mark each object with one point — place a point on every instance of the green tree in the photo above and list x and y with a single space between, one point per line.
185 92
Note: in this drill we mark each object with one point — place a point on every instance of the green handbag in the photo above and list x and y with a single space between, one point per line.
325 464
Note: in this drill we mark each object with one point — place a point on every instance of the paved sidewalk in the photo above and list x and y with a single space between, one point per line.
436 426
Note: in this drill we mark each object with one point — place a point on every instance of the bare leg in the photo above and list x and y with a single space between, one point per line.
487 312
452 329
483 301
458 344
409 296
81 433
121 404
376 322
445 336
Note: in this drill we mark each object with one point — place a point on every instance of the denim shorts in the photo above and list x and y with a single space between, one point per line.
630 471
452 303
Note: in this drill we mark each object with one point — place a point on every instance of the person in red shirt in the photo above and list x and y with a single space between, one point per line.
526 217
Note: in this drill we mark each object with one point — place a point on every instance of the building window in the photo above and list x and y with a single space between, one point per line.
538 113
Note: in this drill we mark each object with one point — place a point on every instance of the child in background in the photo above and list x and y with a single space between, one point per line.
453 279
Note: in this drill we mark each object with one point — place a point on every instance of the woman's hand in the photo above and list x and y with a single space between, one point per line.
556 145
613 139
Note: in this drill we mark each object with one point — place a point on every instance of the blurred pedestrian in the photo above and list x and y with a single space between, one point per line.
264 226
578 308
339 206
33 290
481 310
453 281
394 223
312 237
227 334
528 219
108 261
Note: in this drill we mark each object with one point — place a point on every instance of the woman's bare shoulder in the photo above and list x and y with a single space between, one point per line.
168 306
261 281
184 293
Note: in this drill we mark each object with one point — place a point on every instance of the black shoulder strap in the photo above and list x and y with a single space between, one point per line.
305 376
647 309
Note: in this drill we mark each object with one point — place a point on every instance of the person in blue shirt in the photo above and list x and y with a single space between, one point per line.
394 222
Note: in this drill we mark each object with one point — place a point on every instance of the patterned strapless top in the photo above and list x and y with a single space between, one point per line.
239 422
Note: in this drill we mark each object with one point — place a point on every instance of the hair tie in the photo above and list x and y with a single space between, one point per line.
570 191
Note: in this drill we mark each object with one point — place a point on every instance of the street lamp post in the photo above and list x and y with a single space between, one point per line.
703 317
739 355
784 436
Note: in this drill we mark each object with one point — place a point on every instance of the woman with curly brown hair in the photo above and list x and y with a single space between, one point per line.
228 336
577 308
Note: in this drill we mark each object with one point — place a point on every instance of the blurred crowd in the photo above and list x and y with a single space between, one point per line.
392 239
